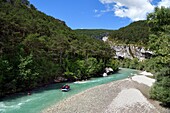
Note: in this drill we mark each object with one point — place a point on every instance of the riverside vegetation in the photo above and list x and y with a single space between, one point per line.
35 49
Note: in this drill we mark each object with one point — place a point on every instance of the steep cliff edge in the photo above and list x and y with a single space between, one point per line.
129 51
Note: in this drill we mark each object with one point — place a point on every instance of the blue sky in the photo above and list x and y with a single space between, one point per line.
98 14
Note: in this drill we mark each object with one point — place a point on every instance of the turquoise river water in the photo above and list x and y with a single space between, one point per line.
46 96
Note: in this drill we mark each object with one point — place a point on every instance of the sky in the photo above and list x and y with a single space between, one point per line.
98 14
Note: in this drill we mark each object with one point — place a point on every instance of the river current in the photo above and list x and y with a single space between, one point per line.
46 96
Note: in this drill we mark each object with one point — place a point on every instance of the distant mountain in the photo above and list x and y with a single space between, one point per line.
94 33
134 33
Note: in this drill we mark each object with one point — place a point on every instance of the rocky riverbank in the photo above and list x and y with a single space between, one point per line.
124 96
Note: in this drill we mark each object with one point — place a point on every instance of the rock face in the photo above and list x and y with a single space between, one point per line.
108 71
130 51
104 74
105 38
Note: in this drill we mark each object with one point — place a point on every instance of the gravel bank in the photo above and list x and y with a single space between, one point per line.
130 100
109 98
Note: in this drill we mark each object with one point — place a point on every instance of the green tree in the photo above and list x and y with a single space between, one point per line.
27 75
159 22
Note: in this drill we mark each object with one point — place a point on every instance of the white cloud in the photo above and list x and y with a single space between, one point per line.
95 10
101 12
108 9
133 9
165 3
98 15
106 1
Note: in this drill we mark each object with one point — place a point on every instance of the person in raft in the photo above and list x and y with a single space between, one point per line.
29 93
66 87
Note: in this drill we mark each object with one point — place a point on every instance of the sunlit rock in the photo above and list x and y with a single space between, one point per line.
104 74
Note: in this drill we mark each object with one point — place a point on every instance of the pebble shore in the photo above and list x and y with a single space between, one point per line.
110 98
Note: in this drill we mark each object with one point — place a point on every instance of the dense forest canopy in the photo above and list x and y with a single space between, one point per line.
135 33
94 33
35 49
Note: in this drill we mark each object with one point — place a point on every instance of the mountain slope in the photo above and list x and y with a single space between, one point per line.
94 33
135 33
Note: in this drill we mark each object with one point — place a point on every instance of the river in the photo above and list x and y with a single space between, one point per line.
46 96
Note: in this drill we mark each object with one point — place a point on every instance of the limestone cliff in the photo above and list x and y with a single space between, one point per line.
129 51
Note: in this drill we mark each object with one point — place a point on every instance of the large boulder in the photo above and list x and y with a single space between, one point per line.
108 70
104 74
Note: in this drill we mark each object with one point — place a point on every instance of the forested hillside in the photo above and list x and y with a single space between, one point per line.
35 49
94 33
136 33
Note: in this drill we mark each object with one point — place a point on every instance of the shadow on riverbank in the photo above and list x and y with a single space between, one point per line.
54 86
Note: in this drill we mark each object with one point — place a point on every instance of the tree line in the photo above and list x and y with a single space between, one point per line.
94 33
